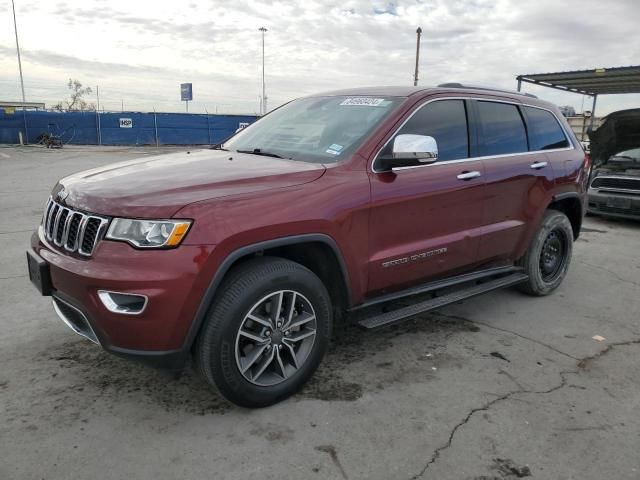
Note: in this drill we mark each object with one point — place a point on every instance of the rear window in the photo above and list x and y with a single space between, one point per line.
502 128
545 133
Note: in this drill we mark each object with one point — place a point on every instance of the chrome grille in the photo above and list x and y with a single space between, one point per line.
616 183
73 230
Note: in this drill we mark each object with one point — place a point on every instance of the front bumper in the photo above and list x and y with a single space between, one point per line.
172 280
614 204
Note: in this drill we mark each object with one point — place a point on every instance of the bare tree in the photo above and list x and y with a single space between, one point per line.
76 102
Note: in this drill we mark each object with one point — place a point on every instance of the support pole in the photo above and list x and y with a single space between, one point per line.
415 75
155 125
98 116
519 85
208 127
593 111
264 91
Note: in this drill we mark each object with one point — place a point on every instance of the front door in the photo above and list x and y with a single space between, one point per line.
425 221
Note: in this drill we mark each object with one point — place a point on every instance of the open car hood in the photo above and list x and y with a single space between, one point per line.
620 131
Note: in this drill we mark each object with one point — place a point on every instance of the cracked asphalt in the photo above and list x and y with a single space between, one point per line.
502 386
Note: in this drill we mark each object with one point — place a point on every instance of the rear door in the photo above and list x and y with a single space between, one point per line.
425 221
518 178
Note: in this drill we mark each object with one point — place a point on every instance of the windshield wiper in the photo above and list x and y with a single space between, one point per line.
259 151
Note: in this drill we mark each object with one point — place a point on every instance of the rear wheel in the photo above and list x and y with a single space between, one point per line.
547 260
266 333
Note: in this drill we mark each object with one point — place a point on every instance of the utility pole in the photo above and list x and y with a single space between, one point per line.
415 75
15 29
264 91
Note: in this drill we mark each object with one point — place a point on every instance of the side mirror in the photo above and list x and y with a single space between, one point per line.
411 151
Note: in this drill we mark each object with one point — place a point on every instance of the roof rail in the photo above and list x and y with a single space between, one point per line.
477 87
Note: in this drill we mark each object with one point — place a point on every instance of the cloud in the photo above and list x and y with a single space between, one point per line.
142 50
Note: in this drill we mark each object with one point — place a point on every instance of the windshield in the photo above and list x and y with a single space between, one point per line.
627 156
315 129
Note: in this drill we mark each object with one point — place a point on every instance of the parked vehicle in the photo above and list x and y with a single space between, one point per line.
615 182
246 257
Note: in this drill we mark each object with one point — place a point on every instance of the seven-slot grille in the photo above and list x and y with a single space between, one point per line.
73 230
616 183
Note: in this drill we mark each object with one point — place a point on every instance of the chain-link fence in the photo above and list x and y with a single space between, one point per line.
121 128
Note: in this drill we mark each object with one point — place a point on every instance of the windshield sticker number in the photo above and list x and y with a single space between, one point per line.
332 152
336 147
363 101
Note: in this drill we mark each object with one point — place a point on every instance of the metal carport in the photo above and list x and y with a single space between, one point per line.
599 81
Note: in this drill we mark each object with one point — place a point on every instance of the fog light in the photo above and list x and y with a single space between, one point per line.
125 303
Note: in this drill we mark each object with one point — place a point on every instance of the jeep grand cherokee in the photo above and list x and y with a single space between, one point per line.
246 256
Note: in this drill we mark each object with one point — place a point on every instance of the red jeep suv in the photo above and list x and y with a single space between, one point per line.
246 255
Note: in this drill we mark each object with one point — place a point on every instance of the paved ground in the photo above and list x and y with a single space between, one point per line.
499 387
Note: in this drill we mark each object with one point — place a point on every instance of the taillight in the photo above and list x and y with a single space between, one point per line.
586 172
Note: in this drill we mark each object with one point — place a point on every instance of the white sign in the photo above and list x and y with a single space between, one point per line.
242 126
126 123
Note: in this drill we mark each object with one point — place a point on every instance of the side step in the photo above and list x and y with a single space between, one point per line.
396 316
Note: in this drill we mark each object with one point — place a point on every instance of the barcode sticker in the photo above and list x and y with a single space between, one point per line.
363 101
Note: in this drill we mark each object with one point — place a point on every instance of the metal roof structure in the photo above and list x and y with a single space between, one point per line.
599 81
29 105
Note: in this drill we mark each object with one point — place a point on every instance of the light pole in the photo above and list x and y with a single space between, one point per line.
15 28
264 91
415 75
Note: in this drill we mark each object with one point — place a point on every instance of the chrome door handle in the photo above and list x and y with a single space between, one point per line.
469 175
538 165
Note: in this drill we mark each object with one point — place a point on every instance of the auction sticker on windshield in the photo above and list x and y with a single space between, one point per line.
363 101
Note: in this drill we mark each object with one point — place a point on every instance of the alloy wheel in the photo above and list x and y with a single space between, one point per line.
275 338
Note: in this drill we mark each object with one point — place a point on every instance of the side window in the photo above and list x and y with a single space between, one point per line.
502 128
545 133
444 120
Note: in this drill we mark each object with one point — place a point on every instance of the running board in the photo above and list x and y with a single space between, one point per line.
396 316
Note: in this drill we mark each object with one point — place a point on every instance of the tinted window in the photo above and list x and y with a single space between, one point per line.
502 129
444 120
544 130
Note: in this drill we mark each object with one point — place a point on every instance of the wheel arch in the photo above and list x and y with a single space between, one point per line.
328 263
571 204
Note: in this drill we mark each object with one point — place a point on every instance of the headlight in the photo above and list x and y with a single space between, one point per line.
148 233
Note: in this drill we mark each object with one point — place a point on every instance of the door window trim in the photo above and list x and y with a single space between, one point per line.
472 159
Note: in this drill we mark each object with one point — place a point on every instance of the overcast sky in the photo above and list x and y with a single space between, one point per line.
140 51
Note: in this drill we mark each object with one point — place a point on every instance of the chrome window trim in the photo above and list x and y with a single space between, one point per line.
473 159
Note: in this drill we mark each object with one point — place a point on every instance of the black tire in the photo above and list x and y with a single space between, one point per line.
215 351
546 267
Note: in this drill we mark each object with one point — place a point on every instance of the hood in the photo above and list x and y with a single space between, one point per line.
157 187
619 132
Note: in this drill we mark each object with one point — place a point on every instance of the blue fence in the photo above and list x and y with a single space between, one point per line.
125 128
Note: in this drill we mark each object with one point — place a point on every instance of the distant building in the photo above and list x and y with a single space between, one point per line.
568 111
580 125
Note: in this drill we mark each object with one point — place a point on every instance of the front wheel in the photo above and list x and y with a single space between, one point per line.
547 260
266 332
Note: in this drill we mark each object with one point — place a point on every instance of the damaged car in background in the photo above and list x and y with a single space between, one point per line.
614 188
